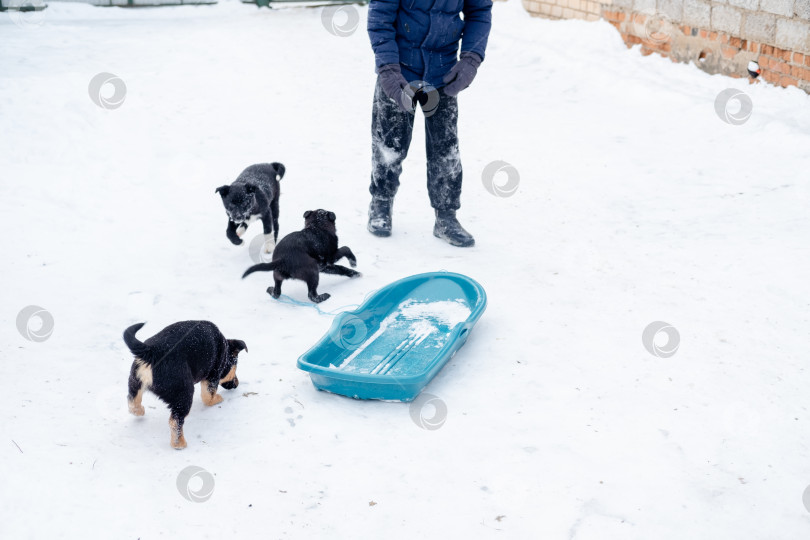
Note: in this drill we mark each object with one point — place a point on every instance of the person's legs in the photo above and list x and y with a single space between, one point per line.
444 170
391 130
443 160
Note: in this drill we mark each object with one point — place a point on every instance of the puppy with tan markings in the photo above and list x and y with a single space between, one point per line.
172 361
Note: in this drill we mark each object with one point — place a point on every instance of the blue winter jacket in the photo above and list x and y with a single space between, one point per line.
423 35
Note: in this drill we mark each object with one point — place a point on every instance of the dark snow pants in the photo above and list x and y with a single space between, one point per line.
391 130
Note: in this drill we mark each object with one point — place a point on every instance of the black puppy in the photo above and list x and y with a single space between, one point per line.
305 253
172 361
253 195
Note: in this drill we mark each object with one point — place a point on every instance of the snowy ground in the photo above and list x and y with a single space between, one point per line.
636 204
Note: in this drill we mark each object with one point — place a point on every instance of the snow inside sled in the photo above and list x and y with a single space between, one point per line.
397 341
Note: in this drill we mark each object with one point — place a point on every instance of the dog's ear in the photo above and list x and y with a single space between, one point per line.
237 345
250 188
331 216
223 190
307 214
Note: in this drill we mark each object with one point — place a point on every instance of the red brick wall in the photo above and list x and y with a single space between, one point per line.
778 42
783 67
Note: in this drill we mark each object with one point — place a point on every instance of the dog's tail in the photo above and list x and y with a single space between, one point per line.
134 344
280 170
261 267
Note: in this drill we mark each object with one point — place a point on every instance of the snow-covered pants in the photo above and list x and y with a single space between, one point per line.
391 130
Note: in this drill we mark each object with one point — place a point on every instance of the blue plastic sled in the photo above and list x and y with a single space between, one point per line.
397 341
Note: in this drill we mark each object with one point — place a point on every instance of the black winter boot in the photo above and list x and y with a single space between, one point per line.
379 216
450 230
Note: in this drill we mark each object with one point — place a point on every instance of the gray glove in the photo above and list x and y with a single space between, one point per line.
396 87
462 74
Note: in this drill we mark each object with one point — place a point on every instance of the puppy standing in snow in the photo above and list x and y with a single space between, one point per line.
305 253
172 361
253 195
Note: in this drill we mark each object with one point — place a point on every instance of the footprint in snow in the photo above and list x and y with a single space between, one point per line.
290 419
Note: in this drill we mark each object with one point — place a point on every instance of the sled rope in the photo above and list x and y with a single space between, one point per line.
284 299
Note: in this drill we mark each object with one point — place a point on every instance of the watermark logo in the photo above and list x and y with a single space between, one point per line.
722 106
656 27
426 402
25 13
352 332
195 475
500 189
256 250
806 498
35 323
422 93
99 93
341 21
659 331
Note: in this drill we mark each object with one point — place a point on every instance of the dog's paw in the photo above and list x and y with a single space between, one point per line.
353 263
137 411
236 241
240 230
269 243
179 444
320 298
272 292
356 274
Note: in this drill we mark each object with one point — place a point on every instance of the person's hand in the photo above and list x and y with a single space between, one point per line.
395 86
462 74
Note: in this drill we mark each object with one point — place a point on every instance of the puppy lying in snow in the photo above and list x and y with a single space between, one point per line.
253 195
305 253
172 361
